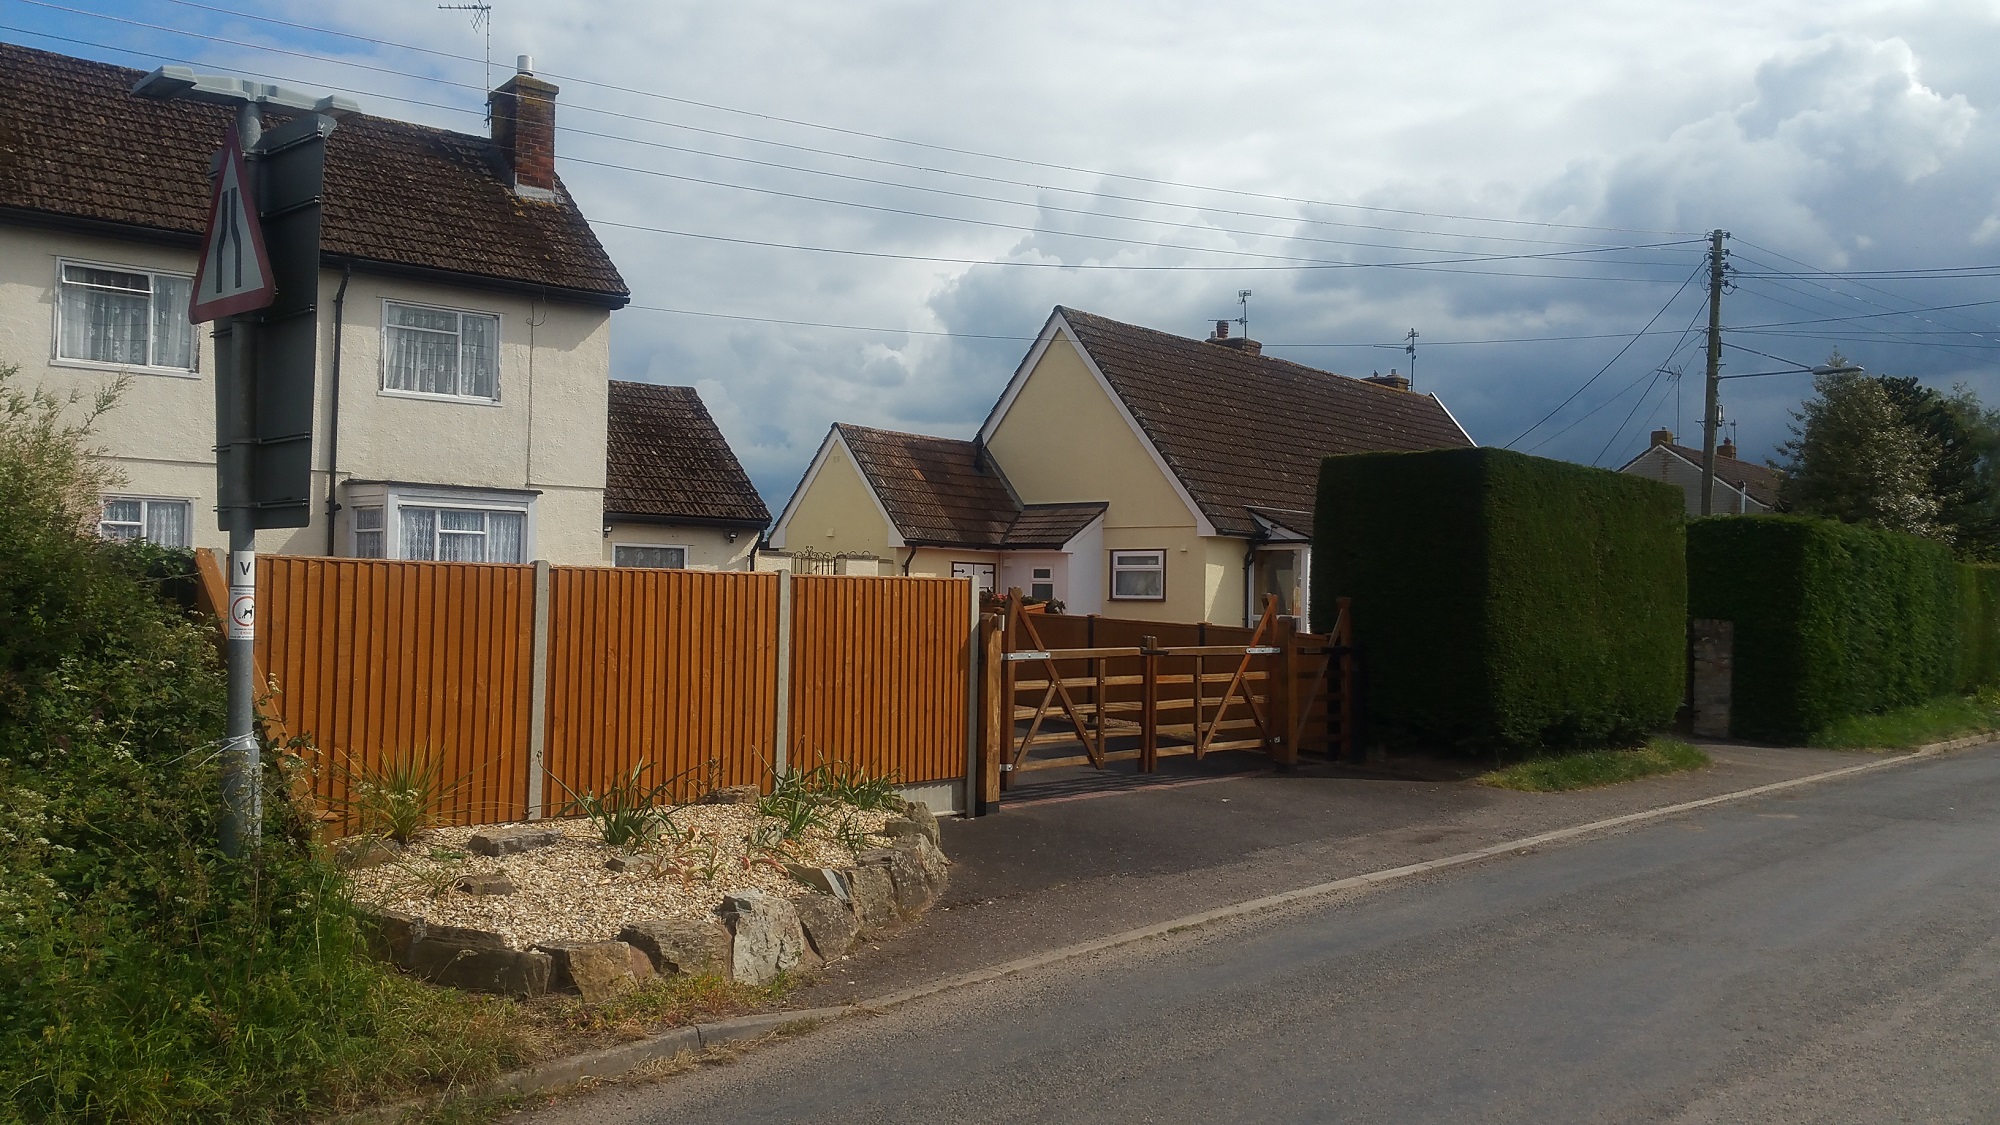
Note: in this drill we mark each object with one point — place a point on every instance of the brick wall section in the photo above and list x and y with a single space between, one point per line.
524 126
1711 651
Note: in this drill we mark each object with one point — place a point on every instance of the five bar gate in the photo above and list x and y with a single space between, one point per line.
1063 691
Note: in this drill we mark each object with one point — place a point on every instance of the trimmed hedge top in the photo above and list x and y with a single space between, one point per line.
1505 599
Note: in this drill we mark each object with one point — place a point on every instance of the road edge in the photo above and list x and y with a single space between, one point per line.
613 1062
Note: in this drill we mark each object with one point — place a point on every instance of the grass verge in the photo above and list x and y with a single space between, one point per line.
1592 768
1939 720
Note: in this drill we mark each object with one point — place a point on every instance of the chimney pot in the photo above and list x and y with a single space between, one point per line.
524 128
1221 330
524 64
1663 437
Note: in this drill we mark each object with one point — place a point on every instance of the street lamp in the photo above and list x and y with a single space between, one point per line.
1708 460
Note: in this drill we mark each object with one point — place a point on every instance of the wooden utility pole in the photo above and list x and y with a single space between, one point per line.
1713 417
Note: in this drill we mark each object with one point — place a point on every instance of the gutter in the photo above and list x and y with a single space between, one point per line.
333 402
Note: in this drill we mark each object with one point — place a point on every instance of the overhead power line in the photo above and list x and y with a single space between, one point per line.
887 138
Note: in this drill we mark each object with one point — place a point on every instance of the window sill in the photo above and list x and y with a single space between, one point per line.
125 368
420 396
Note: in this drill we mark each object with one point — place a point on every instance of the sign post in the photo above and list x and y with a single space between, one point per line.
259 281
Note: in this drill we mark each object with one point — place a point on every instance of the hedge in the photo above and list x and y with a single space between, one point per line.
1978 625
1504 600
1831 619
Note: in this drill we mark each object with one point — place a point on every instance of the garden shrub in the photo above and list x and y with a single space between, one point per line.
1502 600
144 976
1831 619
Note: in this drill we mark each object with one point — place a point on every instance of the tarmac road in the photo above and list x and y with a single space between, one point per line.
1829 954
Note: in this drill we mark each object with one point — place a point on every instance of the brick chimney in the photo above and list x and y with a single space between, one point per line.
524 127
1392 380
1726 448
1241 343
1663 437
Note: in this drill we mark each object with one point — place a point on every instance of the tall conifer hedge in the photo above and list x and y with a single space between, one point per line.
1502 599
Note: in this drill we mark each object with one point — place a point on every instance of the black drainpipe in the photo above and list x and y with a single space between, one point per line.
333 403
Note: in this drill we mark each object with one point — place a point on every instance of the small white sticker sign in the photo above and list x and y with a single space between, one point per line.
243 616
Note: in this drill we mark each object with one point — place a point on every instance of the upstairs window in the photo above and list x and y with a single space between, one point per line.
166 523
658 558
430 351
1139 575
129 318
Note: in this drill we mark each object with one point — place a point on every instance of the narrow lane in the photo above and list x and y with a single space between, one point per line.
1828 955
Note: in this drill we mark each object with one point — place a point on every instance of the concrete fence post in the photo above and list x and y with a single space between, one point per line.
969 804
538 696
781 750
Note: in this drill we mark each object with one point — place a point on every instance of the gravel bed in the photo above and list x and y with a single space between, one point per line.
564 891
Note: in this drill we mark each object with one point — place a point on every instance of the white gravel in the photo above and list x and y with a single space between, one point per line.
564 892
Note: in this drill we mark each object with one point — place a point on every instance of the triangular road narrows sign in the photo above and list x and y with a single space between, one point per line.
235 273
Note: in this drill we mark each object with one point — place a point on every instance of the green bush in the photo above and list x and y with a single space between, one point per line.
1978 625
144 976
1505 600
1831 619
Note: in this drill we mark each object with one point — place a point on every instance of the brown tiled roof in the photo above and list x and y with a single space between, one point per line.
1049 526
665 459
1761 481
76 145
1242 430
939 491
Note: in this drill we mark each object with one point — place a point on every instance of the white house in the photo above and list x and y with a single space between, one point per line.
1741 487
464 318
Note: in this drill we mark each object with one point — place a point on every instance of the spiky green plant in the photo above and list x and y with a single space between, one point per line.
400 795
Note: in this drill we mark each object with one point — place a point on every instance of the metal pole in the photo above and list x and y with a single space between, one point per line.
242 791
1714 411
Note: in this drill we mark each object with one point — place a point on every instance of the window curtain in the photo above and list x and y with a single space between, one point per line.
479 356
106 316
461 536
121 519
167 524
505 532
173 336
423 351
419 533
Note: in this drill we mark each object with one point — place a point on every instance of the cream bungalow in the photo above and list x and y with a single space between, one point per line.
464 318
675 495
1123 471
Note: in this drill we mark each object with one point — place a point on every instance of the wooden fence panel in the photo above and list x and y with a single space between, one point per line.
675 667
372 659
879 674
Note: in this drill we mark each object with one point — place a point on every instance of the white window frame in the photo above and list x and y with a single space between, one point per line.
57 359
1115 567
382 386
144 503
681 547
393 498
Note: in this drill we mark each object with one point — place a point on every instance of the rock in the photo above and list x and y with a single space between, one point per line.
511 972
919 814
936 866
619 863
512 841
873 891
769 938
690 948
486 883
732 795
463 935
823 879
642 963
599 970
829 924
366 851
389 934
916 871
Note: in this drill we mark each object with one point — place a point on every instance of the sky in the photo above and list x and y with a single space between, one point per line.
865 211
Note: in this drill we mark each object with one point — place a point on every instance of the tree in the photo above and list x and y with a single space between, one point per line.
1966 436
1855 457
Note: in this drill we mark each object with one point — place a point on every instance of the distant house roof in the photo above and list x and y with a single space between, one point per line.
77 148
665 460
1760 482
1049 526
938 491
1242 430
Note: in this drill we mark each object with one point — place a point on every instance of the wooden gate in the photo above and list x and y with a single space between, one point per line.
1063 691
